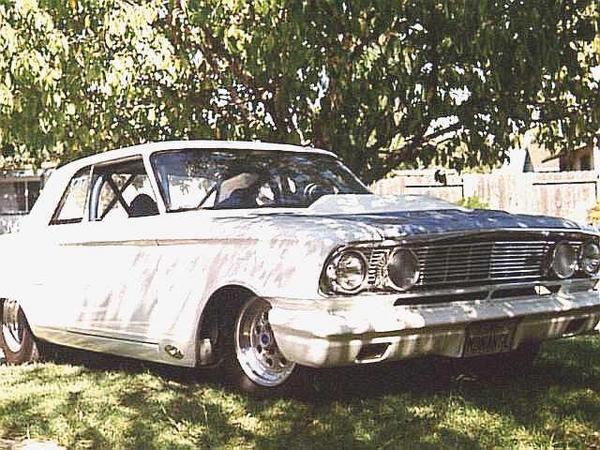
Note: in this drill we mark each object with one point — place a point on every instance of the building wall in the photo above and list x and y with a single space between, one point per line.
564 194
18 192
581 159
10 223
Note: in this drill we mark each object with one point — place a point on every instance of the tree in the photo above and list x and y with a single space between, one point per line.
453 82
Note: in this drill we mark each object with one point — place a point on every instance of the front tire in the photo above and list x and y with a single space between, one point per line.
16 339
253 361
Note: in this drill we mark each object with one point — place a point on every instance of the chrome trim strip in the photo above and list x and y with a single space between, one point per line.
491 288
104 336
131 242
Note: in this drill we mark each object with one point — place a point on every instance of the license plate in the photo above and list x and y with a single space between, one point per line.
487 338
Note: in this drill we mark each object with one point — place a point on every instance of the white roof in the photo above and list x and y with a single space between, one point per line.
147 149
56 184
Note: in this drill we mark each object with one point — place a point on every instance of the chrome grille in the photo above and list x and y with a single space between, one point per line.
471 263
377 259
481 261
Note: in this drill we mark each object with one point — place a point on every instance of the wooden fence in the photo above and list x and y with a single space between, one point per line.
565 194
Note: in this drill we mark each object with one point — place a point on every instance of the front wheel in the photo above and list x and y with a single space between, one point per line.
255 363
16 339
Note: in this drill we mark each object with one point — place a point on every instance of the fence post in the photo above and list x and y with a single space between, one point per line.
469 185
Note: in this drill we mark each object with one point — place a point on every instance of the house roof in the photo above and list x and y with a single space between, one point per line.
541 158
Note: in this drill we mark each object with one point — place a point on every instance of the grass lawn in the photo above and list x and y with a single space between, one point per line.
82 401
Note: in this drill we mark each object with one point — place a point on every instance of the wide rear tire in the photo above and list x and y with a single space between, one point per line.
16 339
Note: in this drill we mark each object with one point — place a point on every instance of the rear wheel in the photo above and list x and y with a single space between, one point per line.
253 360
16 339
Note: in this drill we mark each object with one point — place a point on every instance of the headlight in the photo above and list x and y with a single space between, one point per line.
403 269
347 272
590 258
564 260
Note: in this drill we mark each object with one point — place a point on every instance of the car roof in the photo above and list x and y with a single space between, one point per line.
147 149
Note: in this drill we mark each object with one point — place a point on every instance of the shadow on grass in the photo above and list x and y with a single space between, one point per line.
418 377
571 363
418 403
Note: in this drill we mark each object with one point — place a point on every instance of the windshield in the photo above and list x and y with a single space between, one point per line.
231 179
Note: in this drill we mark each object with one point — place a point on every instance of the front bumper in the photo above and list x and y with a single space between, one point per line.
341 331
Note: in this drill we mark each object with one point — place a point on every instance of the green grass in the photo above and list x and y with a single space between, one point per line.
102 402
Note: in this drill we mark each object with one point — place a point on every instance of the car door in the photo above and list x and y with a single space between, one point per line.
103 276
121 254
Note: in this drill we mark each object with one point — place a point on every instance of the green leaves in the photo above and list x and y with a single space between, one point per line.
382 84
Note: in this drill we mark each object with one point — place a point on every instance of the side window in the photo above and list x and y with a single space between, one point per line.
121 190
72 204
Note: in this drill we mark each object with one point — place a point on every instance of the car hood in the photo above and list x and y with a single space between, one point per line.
403 215
336 219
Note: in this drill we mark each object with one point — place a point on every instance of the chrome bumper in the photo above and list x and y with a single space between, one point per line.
342 331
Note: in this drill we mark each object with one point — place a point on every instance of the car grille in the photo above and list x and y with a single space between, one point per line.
471 263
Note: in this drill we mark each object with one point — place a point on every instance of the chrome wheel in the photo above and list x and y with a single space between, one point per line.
12 327
255 346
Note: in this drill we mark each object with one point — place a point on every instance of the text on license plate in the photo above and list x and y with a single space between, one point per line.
486 338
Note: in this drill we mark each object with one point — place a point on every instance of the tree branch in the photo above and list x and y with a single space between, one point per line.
410 150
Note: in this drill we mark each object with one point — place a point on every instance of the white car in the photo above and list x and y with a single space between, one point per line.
261 258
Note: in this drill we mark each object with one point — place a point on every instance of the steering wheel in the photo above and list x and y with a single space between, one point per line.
313 191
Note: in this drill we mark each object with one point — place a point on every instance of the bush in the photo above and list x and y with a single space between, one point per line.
593 216
473 202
